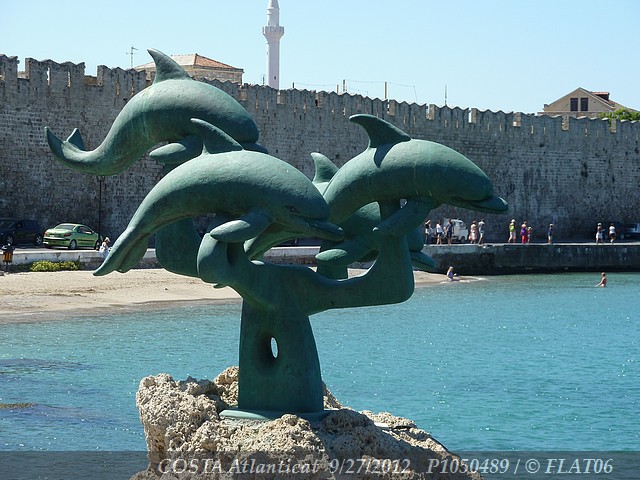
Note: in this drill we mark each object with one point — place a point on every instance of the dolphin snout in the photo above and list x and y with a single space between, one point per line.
313 227
491 204
325 230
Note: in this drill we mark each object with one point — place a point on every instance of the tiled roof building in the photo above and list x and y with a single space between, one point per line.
200 67
582 103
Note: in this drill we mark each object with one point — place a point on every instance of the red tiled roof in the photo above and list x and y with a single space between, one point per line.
192 60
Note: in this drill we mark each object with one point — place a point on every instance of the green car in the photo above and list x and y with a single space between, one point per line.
72 236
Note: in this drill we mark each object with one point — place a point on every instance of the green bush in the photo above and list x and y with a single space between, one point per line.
47 266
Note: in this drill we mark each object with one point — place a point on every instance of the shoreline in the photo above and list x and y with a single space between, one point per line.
49 296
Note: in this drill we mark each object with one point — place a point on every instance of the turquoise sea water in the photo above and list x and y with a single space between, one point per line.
536 362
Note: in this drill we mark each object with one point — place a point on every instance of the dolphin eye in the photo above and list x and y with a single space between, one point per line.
293 209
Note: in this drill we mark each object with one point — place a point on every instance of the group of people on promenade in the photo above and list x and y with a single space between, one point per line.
446 232
526 232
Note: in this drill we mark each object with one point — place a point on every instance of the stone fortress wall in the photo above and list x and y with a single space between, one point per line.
570 172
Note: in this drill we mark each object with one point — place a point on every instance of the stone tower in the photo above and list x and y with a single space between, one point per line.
273 32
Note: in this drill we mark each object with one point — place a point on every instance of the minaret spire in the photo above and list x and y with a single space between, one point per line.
273 32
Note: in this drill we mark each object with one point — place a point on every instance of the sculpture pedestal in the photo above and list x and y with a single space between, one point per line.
287 381
187 437
238 414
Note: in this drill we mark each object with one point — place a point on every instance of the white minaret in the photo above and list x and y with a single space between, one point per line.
273 32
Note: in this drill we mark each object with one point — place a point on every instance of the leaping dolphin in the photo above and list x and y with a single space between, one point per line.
360 244
161 112
255 189
396 167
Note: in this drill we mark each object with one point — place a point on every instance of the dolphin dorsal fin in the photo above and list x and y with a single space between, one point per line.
325 168
215 140
166 67
380 131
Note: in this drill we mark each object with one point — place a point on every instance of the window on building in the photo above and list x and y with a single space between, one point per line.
584 104
574 104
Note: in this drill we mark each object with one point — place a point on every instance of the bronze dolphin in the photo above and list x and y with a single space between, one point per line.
229 181
161 112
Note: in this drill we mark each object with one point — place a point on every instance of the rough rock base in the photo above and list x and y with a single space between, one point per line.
187 439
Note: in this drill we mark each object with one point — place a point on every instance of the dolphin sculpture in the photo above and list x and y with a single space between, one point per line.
161 112
256 190
395 167
360 243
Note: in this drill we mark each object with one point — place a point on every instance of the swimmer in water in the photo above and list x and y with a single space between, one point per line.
451 275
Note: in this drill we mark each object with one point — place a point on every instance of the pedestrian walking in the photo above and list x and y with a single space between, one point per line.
481 225
427 231
612 232
599 234
524 233
512 232
473 234
104 248
449 232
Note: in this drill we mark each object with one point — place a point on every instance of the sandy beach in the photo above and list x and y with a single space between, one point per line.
41 296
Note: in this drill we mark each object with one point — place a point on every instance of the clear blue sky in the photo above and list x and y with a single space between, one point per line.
490 54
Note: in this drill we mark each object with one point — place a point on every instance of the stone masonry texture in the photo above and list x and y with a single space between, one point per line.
569 172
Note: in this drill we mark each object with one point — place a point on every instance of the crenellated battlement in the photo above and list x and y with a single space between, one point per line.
413 116
67 79
70 79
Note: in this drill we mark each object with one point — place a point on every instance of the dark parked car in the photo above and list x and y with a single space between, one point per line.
14 231
632 230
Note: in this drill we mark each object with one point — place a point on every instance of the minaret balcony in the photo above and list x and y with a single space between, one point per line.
273 31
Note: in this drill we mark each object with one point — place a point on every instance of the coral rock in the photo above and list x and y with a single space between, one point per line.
187 439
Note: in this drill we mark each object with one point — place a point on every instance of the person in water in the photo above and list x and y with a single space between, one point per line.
603 282
451 275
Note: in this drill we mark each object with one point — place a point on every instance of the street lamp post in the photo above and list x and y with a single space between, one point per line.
100 182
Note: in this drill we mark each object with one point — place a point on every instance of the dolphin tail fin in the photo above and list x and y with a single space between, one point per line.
65 150
75 139
72 153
